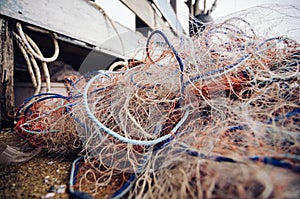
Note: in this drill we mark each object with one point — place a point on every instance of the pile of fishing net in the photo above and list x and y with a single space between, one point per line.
45 122
210 116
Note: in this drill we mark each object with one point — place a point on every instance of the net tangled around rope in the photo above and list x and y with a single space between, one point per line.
209 116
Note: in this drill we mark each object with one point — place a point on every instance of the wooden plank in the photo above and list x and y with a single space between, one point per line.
6 71
80 20
166 9
144 10
174 4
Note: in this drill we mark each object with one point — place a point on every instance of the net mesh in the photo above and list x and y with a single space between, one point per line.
210 116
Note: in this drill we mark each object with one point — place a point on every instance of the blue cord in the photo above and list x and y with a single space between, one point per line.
74 171
211 73
270 39
42 99
116 135
265 159
178 58
25 102
72 181
168 43
118 194
275 162
125 188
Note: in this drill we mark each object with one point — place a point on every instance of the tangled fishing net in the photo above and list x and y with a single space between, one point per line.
44 121
210 116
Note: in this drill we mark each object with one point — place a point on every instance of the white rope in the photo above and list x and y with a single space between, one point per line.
36 54
116 64
44 64
26 43
34 75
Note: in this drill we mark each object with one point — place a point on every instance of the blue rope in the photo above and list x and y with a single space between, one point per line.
72 181
264 159
168 43
178 58
270 39
125 188
231 66
116 135
25 102
43 99
74 171
275 162
220 70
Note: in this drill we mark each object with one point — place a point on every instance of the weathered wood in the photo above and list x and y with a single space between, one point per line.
174 5
168 12
146 13
79 22
6 70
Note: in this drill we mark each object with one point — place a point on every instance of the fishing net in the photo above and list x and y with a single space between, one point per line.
44 121
215 115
